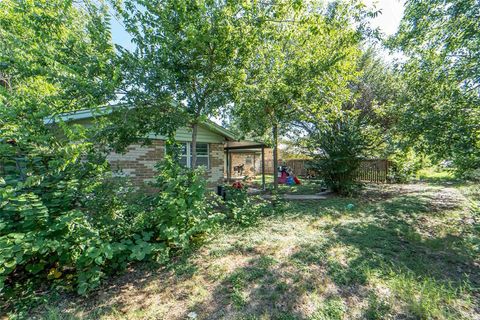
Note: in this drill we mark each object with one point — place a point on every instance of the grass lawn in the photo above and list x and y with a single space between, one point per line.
307 186
401 252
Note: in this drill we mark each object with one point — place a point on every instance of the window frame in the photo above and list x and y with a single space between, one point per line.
188 146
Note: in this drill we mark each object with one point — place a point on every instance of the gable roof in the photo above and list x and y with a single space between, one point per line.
88 114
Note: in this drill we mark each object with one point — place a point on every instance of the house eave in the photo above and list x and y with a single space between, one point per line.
103 111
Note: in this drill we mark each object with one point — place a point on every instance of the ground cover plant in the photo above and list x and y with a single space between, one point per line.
62 231
395 252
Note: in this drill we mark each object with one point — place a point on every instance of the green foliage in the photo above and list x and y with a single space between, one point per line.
48 231
405 165
56 56
338 145
63 230
376 90
472 174
440 113
302 49
188 59
244 209
64 221
181 208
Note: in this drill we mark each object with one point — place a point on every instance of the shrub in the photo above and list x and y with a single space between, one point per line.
242 209
406 164
65 221
182 207
338 146
56 226
472 174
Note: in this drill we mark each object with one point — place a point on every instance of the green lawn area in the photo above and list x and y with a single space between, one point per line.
401 252
307 186
435 175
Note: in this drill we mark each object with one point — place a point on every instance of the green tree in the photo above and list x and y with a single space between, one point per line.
187 59
55 56
441 112
376 90
304 56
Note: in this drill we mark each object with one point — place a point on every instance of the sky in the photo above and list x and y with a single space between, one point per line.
388 21
120 35
392 12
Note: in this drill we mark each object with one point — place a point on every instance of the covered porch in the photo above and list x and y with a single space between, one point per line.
244 159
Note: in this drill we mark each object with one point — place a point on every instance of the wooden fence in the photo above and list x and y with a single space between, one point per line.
269 166
370 170
374 170
299 167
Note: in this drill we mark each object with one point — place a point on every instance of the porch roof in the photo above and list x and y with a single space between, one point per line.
244 146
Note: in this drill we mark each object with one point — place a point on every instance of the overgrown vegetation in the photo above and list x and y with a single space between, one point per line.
439 113
70 233
407 251
244 209
66 222
274 68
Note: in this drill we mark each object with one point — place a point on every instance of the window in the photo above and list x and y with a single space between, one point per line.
202 154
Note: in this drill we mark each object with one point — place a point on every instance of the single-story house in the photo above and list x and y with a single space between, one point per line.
138 162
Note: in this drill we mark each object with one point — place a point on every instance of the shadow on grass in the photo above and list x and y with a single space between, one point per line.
425 270
132 285
268 289
428 270
427 273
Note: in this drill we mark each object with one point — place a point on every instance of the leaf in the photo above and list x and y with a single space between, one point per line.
99 260
35 268
82 288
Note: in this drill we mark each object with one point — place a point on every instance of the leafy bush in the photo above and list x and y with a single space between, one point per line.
48 229
182 208
406 164
472 174
65 221
338 146
244 210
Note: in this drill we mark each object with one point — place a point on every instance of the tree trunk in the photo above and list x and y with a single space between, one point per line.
194 145
275 156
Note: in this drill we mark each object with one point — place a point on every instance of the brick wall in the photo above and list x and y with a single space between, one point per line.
251 161
138 162
215 173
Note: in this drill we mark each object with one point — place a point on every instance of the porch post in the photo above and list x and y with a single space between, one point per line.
228 165
263 167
